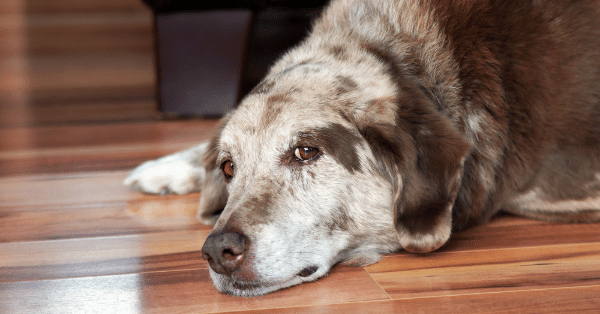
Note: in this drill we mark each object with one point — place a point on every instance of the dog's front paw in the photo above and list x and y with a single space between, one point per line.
166 175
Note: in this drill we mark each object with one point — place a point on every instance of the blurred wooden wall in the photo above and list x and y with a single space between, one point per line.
73 61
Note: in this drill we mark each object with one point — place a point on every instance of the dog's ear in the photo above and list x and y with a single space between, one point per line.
213 197
423 156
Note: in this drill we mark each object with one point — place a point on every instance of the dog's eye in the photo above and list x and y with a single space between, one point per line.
305 153
228 169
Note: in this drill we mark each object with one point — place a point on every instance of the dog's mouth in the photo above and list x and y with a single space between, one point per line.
245 288
240 285
306 272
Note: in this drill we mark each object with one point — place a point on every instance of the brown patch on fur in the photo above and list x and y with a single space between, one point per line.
335 140
263 87
298 65
278 98
389 146
393 69
345 84
249 130
339 53
380 105
341 143
274 108
341 220
344 115
256 209
291 191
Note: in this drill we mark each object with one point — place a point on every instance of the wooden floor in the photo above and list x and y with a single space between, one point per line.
75 113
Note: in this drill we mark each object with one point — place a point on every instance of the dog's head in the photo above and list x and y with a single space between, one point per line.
319 166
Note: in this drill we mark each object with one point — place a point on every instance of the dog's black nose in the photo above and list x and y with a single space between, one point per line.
224 251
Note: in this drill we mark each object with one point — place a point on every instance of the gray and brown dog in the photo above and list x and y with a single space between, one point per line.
392 125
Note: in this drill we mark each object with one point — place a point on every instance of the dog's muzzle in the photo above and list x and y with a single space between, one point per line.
229 259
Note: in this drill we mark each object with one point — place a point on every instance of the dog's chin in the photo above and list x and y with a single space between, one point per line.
228 285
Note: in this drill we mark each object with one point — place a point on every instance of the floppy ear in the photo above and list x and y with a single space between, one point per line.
213 197
423 156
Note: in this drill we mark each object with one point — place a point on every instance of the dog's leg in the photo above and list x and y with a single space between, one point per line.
566 187
533 205
180 173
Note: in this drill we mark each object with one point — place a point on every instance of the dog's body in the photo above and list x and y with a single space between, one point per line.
393 124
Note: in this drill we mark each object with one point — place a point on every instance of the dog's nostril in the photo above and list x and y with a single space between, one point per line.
231 255
308 271
228 253
225 251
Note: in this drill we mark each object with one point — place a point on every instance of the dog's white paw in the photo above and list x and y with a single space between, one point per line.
170 174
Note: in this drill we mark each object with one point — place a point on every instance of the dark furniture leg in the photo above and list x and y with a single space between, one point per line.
199 61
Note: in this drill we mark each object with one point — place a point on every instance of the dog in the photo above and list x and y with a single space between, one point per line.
392 125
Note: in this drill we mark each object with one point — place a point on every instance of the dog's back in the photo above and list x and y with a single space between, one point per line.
519 79
532 70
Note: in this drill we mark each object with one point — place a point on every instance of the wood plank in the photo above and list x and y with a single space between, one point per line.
66 190
189 291
62 56
84 257
85 160
60 26
54 252
583 299
82 206
12 30
494 270
509 231
11 6
125 31
95 147
91 135
52 76
115 294
91 110
141 215
338 287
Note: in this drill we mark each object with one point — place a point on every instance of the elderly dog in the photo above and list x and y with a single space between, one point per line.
392 125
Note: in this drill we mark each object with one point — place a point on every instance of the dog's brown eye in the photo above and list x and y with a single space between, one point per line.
228 169
305 153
